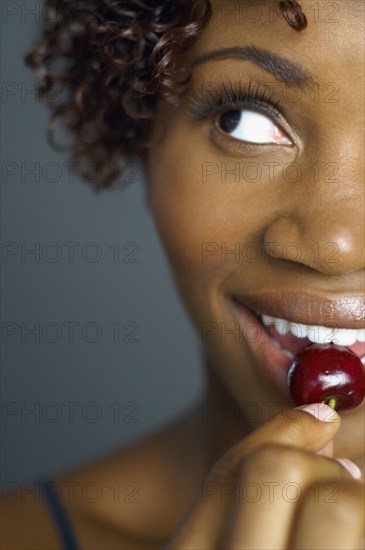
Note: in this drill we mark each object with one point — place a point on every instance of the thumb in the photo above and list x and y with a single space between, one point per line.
309 427
328 450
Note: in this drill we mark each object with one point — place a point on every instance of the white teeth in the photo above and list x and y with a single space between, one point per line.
281 326
363 359
347 337
317 333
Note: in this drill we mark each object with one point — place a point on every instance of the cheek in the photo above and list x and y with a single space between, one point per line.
194 210
203 212
189 223
182 207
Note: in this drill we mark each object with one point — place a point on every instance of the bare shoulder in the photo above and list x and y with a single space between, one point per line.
131 499
25 522
143 490
103 503
29 525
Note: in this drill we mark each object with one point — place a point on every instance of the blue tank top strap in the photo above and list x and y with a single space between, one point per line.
51 496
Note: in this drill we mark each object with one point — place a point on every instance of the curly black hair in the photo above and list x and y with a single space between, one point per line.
113 58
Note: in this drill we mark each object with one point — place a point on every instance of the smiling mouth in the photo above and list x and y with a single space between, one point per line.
289 319
276 340
293 337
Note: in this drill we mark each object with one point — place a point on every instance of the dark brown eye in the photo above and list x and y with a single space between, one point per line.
229 121
252 127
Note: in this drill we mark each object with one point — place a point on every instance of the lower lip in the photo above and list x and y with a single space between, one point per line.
273 360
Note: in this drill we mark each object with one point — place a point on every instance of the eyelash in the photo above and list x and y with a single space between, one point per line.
231 97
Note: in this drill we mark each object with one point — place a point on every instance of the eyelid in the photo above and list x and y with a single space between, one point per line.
231 95
207 103
259 111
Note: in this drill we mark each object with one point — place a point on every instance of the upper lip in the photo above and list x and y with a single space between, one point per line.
346 311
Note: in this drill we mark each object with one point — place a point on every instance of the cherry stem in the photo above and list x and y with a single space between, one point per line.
332 402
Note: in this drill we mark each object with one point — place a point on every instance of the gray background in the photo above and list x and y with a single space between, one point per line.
87 397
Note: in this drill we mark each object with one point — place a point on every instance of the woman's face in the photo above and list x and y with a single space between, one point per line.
270 196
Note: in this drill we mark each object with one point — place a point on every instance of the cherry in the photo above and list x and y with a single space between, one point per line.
327 373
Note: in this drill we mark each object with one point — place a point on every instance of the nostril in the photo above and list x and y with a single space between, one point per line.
318 235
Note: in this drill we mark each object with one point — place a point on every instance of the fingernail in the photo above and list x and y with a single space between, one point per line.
321 412
350 467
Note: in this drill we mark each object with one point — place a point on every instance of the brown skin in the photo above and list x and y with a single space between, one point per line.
168 468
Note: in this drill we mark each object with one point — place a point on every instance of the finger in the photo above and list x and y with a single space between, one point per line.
335 521
271 484
311 428
204 522
327 450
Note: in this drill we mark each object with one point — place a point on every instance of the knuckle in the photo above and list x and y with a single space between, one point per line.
221 470
296 431
278 460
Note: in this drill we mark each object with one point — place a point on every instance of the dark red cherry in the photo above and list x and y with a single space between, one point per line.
327 373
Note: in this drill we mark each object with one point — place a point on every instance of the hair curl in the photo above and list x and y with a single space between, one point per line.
113 58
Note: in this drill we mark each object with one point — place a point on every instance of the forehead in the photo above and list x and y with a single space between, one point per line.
332 42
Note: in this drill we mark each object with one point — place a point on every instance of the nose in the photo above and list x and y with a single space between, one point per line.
325 233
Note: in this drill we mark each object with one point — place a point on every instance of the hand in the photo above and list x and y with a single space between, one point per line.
272 491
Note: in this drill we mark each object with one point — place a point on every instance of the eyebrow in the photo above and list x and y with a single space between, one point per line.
289 72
